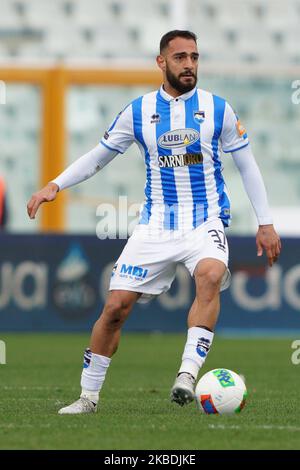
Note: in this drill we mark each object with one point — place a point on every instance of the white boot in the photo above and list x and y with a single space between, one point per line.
183 390
83 405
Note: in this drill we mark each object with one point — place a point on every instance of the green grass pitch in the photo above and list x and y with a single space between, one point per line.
43 372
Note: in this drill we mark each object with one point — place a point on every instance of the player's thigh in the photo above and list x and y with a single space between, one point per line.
144 266
209 253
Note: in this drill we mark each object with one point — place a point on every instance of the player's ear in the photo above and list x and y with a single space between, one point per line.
160 60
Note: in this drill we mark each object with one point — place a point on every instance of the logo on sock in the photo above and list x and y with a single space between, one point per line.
87 358
203 346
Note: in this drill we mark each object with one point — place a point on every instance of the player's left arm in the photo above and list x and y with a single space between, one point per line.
266 239
234 140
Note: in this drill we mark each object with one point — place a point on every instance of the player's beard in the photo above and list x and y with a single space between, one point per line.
177 84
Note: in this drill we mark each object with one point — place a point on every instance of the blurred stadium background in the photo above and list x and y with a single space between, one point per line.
67 67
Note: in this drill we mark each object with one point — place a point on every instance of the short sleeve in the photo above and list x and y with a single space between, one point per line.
119 136
234 135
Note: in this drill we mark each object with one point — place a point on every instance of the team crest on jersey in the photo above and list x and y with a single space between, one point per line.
155 118
178 138
199 116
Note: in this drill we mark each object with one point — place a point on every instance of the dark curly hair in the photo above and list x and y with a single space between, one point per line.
175 34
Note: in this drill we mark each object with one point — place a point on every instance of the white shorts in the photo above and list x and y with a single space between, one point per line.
148 264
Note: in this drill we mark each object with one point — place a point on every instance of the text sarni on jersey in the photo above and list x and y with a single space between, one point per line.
185 159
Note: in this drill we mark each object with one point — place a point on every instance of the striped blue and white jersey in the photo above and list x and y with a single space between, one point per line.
181 140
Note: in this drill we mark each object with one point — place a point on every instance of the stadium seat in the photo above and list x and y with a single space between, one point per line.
230 33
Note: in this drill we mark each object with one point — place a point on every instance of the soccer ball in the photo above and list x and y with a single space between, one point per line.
221 391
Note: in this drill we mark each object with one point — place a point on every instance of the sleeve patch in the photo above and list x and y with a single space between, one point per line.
241 130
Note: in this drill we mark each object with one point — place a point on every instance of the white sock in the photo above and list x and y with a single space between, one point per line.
196 349
93 374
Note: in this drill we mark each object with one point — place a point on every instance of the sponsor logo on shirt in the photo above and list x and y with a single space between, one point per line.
173 161
178 138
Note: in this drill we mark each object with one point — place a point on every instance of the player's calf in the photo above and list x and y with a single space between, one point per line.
104 340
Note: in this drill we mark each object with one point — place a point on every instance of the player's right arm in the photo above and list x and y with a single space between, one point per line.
116 140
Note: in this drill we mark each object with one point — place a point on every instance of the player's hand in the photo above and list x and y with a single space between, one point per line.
47 194
268 240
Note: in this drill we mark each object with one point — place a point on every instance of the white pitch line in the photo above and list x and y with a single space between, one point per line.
257 426
37 388
77 389
209 426
31 399
113 389
47 426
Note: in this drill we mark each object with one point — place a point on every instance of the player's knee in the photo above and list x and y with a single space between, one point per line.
115 312
210 278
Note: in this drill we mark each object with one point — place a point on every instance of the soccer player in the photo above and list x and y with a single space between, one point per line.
180 131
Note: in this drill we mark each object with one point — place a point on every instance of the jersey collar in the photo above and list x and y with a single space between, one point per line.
183 97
